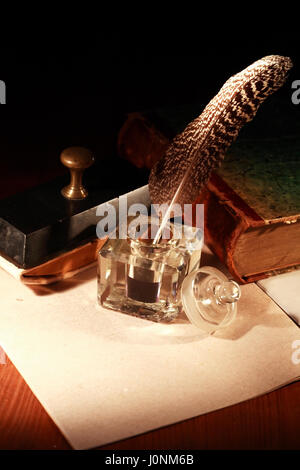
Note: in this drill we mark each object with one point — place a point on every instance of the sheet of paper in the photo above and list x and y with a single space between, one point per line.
103 376
284 289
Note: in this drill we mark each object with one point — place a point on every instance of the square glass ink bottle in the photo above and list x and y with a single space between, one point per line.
156 281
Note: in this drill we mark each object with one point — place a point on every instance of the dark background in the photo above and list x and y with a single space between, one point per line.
79 93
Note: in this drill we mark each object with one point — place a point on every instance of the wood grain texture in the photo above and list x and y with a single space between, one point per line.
24 424
271 421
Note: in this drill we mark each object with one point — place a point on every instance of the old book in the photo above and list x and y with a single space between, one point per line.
252 203
252 209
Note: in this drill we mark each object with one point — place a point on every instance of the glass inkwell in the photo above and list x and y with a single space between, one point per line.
156 281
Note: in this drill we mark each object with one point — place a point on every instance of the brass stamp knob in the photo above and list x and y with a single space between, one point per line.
77 159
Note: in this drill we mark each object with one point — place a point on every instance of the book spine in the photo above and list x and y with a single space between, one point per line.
223 225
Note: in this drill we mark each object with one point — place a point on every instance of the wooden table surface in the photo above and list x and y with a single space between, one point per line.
271 421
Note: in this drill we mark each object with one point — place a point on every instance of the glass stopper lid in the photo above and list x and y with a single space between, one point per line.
209 299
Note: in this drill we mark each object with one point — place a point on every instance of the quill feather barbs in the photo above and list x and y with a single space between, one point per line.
185 168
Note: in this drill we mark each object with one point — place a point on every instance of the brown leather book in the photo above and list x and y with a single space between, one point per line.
252 203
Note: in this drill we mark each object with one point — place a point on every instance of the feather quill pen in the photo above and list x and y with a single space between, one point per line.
186 166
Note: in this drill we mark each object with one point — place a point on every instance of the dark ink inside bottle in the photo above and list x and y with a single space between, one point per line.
142 285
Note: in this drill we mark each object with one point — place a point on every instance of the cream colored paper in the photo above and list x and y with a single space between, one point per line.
284 289
104 376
